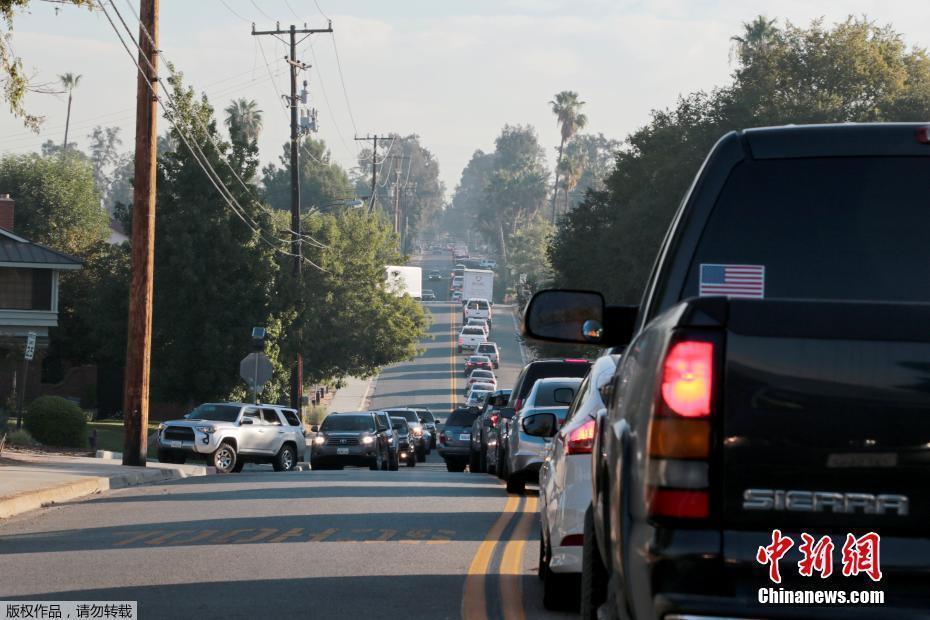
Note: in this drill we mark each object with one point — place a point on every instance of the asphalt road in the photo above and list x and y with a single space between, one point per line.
417 543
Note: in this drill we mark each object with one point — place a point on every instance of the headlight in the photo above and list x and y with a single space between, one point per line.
319 440
368 439
162 426
417 432
205 429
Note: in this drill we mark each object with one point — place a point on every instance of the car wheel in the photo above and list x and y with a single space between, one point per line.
239 465
455 466
285 459
395 462
421 454
483 459
560 591
224 458
376 462
516 484
593 572
432 442
165 457
411 462
460 349
543 559
473 463
501 465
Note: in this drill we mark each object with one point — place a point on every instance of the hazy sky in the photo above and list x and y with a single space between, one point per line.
452 71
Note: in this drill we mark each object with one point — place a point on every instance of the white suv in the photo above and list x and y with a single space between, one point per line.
228 435
470 337
477 309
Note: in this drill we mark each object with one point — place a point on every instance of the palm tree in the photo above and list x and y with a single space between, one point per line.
70 82
571 168
757 36
567 110
243 115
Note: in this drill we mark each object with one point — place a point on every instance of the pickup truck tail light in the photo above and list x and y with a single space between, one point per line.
518 405
679 443
581 440
442 437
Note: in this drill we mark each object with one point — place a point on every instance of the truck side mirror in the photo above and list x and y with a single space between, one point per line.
581 317
315 429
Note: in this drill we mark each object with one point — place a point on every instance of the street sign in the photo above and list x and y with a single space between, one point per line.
256 370
30 346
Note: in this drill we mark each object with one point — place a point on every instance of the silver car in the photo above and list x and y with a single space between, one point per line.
228 435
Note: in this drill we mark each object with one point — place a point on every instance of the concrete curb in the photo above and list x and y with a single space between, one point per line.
39 498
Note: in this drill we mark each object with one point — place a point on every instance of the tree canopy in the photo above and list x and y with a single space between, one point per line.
852 71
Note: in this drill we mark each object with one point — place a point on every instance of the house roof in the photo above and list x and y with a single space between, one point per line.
18 252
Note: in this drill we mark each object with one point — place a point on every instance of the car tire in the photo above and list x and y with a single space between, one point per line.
421 453
501 465
395 462
240 463
432 442
483 460
593 571
411 462
376 462
473 462
543 556
165 457
285 459
224 458
460 349
516 485
455 466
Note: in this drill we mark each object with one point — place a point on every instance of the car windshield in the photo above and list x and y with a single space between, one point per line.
407 414
473 331
462 417
348 423
217 413
555 393
479 359
487 348
482 374
399 424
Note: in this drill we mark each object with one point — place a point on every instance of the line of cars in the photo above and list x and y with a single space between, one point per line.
761 395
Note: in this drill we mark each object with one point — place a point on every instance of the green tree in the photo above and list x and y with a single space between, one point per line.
56 204
567 109
213 272
323 182
597 154
854 71
757 36
104 158
243 117
69 81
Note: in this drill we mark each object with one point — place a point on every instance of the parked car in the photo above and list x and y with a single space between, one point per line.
565 489
434 275
227 435
474 362
354 438
428 295
776 359
484 431
429 423
406 449
470 338
480 375
455 438
491 351
531 373
421 436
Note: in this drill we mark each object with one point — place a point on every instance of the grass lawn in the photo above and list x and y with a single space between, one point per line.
110 434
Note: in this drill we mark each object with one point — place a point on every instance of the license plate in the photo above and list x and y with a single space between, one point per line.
176 444
465 437
342 450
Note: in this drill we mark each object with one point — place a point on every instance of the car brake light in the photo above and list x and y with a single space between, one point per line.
494 418
679 434
573 540
687 377
923 135
576 361
581 440
461 340
442 437
518 405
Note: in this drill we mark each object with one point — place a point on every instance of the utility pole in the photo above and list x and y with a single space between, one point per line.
297 371
139 341
374 167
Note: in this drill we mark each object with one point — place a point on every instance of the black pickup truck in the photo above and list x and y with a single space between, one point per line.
776 376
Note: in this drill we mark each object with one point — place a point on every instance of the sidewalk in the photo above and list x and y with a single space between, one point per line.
30 481
355 396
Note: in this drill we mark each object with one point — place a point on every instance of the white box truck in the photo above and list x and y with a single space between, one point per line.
401 280
477 284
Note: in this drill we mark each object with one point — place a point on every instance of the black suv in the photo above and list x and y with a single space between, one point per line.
421 437
484 432
404 441
357 438
429 424
455 438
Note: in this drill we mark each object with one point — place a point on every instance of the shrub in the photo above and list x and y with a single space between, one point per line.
56 421
20 438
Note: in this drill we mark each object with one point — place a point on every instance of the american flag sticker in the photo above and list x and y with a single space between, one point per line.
743 281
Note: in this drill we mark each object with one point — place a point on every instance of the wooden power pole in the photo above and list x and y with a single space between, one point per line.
139 345
297 370
374 167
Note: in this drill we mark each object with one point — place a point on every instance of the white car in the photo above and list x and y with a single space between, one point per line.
565 486
488 263
479 375
490 349
477 309
476 397
479 323
471 337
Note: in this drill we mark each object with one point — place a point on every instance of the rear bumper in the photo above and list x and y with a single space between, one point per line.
565 559
456 453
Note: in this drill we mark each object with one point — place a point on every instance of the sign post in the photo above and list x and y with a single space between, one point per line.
27 357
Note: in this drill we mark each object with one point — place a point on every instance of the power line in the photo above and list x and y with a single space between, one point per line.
209 135
261 11
229 8
197 154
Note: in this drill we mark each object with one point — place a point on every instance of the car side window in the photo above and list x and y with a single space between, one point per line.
383 422
251 413
579 397
291 417
270 416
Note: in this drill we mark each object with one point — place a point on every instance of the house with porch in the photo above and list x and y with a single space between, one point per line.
29 275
